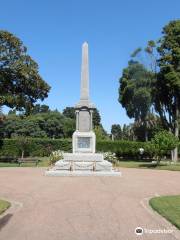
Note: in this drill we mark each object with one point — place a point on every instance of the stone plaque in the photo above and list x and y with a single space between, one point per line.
84 121
83 142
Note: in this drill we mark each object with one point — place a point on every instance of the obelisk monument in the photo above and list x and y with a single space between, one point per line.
84 137
83 161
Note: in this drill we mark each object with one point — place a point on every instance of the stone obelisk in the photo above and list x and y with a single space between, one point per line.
85 73
84 137
84 93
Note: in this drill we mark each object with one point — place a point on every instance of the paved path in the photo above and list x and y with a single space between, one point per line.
83 208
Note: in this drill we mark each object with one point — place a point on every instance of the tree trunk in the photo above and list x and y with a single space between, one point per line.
22 154
146 132
146 135
174 153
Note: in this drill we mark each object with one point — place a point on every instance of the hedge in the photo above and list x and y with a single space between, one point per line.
36 147
125 149
43 147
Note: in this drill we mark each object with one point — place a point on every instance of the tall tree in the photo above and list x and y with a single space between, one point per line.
116 131
20 83
167 87
135 91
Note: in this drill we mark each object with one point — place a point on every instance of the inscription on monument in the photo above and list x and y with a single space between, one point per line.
83 142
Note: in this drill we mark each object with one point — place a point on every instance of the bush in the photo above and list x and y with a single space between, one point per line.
55 156
110 157
163 142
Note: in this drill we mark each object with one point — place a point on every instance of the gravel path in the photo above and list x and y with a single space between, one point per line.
84 208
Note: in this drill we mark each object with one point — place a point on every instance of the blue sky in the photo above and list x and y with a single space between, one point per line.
54 31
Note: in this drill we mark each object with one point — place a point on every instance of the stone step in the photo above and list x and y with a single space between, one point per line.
85 157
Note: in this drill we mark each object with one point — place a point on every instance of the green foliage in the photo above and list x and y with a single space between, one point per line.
4 205
96 118
22 144
39 109
43 147
20 83
69 112
50 124
110 157
36 147
167 87
55 156
135 90
163 142
116 131
100 133
124 149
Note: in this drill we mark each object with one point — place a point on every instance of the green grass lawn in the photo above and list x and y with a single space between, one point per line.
44 162
4 205
168 207
148 165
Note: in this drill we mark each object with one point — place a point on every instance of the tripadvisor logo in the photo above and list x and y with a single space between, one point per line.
139 231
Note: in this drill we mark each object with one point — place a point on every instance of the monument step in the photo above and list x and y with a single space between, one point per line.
82 173
85 157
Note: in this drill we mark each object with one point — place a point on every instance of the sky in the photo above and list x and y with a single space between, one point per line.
54 31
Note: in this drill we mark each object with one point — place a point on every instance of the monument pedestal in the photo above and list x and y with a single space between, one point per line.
82 164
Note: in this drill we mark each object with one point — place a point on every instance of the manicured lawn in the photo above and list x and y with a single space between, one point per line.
168 207
148 165
4 205
44 162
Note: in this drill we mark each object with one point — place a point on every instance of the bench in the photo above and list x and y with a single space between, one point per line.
8 159
28 160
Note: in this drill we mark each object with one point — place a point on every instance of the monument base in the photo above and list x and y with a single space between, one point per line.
82 164
81 173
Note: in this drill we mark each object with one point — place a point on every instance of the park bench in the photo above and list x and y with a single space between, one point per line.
8 159
28 160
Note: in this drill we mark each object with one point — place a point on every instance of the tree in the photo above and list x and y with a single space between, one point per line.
116 131
96 118
69 112
51 124
20 83
167 87
100 133
39 109
146 128
135 91
22 144
163 142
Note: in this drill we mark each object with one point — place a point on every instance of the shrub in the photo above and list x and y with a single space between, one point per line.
110 157
163 142
55 156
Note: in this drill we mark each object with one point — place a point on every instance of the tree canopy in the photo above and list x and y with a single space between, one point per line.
135 90
50 124
20 82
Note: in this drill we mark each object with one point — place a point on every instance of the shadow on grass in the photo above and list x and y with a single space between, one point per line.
151 165
4 220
